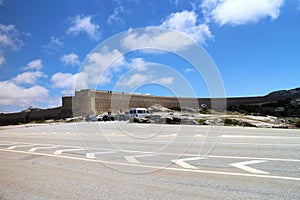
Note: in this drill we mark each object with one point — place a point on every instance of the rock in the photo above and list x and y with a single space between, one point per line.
158 108
194 110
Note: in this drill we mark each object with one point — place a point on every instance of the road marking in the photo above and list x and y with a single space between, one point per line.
243 166
93 155
7 144
156 167
161 153
182 162
36 148
132 159
59 152
258 136
16 146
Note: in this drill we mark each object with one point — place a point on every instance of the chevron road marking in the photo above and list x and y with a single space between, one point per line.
243 166
23 145
59 152
36 148
132 159
182 162
93 155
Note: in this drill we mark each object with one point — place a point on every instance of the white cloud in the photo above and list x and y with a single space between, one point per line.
164 81
138 64
115 16
70 59
9 37
18 96
54 45
186 23
34 65
65 81
237 12
136 80
28 77
2 60
188 70
84 24
155 39
100 66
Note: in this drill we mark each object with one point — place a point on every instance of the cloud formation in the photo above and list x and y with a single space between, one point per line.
84 24
34 65
115 16
64 81
9 40
71 59
237 12
14 93
28 77
186 22
53 46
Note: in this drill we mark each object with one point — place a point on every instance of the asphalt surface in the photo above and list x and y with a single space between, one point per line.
118 160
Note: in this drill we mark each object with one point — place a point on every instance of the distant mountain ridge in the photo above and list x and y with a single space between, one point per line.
291 92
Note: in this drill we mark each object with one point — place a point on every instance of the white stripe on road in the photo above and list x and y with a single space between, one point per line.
24 145
93 155
132 159
258 137
59 152
243 166
36 148
158 168
182 162
159 153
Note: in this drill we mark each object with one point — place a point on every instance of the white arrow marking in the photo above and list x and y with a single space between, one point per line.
59 152
25 145
242 165
93 155
36 148
182 162
132 159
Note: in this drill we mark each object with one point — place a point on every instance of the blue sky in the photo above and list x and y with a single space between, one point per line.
255 45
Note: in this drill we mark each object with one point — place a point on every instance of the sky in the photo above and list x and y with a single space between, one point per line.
50 48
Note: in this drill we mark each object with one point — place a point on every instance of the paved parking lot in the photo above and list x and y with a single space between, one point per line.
144 161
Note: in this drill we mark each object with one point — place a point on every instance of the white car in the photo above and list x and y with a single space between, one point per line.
138 112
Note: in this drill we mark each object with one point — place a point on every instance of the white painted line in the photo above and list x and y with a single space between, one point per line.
158 168
93 155
16 146
258 137
6 144
59 152
36 148
160 153
182 162
242 165
132 159
170 135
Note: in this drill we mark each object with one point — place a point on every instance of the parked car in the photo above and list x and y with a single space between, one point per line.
106 118
138 112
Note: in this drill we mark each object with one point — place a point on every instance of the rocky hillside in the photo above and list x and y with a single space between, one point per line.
287 106
291 92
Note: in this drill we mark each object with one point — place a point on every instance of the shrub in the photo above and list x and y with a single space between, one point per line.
298 124
202 121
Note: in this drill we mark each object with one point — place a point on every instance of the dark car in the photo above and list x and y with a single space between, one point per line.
108 118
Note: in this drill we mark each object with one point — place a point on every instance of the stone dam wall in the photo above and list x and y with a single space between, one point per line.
89 102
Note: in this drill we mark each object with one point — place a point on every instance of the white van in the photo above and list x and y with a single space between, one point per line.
138 112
